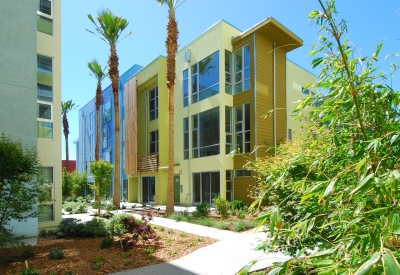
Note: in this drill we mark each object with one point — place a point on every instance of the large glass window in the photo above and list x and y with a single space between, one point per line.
45 64
44 111
242 128
154 142
228 72
107 111
45 8
46 210
148 189
91 143
45 130
205 187
153 103
105 137
242 69
205 78
45 93
92 120
186 138
205 140
228 130
185 88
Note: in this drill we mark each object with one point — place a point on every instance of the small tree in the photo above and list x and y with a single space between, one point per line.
79 181
102 173
19 185
67 183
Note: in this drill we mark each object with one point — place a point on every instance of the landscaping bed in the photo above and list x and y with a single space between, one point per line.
84 255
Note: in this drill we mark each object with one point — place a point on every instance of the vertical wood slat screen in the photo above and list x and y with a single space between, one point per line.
130 109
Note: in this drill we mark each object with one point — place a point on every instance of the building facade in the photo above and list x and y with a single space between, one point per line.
30 88
226 81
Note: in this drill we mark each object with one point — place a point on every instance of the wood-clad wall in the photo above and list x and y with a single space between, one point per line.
130 107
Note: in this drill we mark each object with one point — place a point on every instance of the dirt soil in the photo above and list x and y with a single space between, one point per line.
81 253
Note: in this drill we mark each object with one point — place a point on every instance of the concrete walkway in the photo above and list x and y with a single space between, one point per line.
227 256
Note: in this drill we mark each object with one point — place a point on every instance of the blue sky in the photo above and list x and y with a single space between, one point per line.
369 21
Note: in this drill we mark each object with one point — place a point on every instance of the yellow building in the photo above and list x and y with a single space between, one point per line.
226 81
49 105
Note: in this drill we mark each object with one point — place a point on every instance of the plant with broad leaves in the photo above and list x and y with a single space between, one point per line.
333 192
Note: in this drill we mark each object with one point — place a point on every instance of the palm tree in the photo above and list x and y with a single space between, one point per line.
65 108
110 28
172 47
99 74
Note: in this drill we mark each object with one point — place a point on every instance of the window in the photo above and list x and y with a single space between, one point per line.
229 185
45 130
45 8
153 103
154 142
205 187
205 78
91 159
46 210
45 93
242 128
228 72
228 130
205 140
91 143
186 138
107 111
289 134
44 111
44 120
242 173
185 88
45 64
105 137
45 16
242 69
92 120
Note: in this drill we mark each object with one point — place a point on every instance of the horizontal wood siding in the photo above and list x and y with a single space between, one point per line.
265 94
242 187
130 109
149 164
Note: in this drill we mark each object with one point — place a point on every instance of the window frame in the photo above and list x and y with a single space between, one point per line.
154 99
185 84
241 71
228 74
243 131
186 138
48 185
92 120
153 142
45 14
106 116
198 133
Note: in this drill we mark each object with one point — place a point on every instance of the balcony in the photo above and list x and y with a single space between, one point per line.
149 164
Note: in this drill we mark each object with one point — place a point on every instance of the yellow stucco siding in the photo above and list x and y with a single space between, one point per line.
49 150
297 78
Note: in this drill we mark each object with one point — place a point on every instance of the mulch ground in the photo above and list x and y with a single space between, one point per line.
81 254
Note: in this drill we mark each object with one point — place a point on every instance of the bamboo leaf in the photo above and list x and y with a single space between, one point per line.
377 210
322 253
390 264
330 189
367 266
246 268
363 184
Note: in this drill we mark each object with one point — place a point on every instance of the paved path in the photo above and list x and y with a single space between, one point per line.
227 256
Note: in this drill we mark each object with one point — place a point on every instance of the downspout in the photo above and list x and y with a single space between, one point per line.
274 98
189 134
255 100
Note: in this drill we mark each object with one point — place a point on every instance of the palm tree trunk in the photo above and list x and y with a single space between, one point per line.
172 46
114 76
96 152
66 132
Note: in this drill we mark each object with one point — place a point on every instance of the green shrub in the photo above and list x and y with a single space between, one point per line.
70 227
76 228
115 225
77 207
27 252
107 242
238 205
202 211
222 206
55 254
95 227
